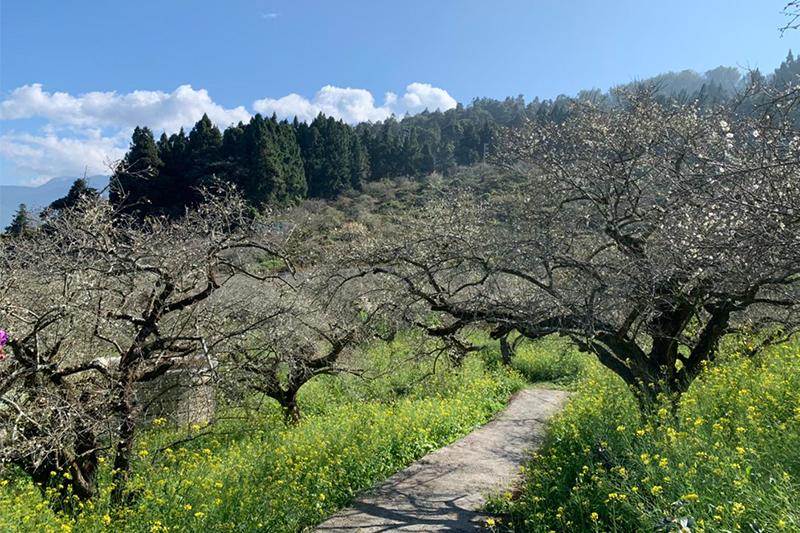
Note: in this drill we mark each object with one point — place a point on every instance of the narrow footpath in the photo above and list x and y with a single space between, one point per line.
443 491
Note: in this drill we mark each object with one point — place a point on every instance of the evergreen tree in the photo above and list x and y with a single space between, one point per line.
359 163
259 177
337 157
129 189
168 188
788 72
21 225
232 142
327 154
469 147
292 170
79 190
205 138
193 160
412 153
178 162
205 142
542 112
446 157
263 160
428 160
385 148
164 149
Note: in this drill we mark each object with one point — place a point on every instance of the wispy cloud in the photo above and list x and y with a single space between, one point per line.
269 15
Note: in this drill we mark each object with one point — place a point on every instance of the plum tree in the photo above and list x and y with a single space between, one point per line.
642 231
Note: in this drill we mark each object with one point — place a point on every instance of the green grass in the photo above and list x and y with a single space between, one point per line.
549 362
273 265
263 475
730 461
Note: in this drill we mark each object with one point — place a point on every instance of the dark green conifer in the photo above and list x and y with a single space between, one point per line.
130 184
78 191
21 225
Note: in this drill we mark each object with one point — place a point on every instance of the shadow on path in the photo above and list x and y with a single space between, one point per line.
442 491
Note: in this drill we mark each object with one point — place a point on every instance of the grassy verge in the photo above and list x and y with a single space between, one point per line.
730 461
551 361
267 476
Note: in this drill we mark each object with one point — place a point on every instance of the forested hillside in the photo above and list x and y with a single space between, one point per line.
278 163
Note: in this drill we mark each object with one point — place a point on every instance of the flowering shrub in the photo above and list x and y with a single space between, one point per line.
269 476
727 461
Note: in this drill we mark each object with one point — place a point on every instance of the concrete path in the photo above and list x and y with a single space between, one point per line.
442 491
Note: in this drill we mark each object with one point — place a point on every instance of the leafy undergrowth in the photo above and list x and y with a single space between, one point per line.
549 361
271 477
729 461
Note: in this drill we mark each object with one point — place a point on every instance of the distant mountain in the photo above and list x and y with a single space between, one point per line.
38 197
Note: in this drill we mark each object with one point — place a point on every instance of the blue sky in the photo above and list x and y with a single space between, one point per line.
75 77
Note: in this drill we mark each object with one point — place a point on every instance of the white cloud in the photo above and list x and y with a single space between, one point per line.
357 105
270 15
288 106
47 156
420 96
91 129
158 110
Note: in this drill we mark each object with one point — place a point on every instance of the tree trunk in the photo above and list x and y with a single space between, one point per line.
291 410
506 350
122 460
81 465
